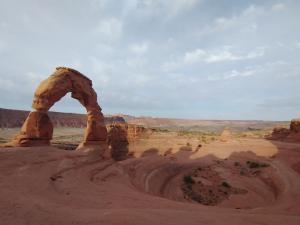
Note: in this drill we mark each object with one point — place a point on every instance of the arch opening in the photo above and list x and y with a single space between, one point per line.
37 129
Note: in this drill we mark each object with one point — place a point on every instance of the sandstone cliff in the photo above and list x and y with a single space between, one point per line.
291 134
10 118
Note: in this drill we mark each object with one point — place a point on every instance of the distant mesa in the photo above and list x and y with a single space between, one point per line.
291 134
12 118
38 129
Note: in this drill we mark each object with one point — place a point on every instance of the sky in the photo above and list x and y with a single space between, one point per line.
197 59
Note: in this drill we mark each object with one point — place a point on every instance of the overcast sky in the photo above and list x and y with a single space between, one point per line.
205 59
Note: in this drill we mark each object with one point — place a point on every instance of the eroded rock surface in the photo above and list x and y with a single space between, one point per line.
135 132
295 126
291 134
38 129
118 141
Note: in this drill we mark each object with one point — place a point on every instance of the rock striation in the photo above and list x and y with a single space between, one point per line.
134 132
226 135
291 134
118 141
37 128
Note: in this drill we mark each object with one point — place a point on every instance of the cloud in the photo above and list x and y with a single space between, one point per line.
109 30
278 7
200 55
222 55
245 18
179 5
233 74
165 9
151 57
223 23
253 11
140 48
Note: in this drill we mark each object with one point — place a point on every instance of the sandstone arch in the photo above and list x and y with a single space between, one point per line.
37 129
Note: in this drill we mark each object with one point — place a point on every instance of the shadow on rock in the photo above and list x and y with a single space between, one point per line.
118 142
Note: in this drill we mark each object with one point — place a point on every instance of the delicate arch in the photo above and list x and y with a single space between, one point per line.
38 130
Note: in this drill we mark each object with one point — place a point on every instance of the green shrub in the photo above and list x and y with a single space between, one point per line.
255 165
188 179
237 164
225 184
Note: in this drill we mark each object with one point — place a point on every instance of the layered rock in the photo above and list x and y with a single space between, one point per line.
37 129
135 132
291 134
118 141
279 133
295 126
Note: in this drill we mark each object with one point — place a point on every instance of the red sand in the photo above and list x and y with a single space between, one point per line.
47 186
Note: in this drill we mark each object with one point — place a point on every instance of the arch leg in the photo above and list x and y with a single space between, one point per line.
37 130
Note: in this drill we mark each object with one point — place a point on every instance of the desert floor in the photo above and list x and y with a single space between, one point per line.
170 179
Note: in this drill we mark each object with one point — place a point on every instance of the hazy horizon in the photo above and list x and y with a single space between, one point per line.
189 59
154 117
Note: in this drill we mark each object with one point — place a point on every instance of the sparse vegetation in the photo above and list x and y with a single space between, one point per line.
160 130
237 164
251 168
256 165
2 140
225 184
204 137
188 180
210 192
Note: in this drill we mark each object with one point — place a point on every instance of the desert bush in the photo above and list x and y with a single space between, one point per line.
256 165
225 184
188 179
237 164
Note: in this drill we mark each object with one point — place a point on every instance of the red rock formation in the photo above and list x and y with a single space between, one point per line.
279 133
295 126
118 141
135 131
37 129
284 134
